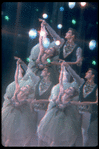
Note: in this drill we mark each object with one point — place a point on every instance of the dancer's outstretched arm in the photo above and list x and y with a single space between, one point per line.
70 63
16 76
61 88
53 33
41 38
83 103
76 77
17 89
24 66
41 47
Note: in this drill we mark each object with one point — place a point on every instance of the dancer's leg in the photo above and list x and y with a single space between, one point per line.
85 125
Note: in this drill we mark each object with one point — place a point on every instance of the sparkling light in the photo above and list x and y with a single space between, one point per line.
48 60
37 9
59 26
71 4
27 59
92 44
57 42
42 33
45 16
61 8
73 21
33 33
93 62
6 18
46 42
83 3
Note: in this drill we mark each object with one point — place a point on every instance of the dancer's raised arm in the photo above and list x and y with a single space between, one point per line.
54 35
61 89
42 36
76 77
16 76
24 66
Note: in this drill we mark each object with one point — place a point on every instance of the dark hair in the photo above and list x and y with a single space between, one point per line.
74 32
94 72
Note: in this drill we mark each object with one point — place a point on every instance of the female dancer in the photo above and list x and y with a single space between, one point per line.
18 122
44 54
61 124
88 100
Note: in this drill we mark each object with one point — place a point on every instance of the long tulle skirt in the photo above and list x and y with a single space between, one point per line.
59 126
18 124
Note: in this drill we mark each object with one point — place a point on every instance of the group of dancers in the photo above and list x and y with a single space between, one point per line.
51 103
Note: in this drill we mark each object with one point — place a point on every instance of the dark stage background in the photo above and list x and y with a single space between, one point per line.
17 18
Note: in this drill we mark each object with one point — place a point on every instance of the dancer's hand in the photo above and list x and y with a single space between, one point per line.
61 60
15 57
40 19
79 60
61 106
18 59
31 103
61 63
18 62
66 64
43 21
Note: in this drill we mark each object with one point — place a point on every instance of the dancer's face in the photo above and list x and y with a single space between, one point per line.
48 51
44 72
23 92
68 34
89 74
69 91
24 88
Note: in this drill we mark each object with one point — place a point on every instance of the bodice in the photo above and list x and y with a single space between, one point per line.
43 90
87 92
70 52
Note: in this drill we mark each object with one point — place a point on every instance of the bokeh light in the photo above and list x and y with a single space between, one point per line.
57 42
59 26
48 60
6 18
33 33
71 4
27 59
97 22
45 16
42 33
83 3
61 8
94 62
92 44
46 42
73 21
37 9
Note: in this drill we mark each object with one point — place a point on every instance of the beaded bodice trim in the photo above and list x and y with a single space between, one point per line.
43 86
87 89
68 49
